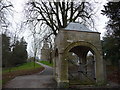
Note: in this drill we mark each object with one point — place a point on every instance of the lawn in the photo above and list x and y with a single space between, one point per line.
47 63
24 69
25 66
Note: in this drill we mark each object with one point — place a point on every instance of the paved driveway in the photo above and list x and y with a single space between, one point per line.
40 80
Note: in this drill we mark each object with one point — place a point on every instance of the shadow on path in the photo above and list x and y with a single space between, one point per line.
43 79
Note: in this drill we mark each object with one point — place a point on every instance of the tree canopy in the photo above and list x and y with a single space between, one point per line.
57 15
5 9
111 42
112 11
13 55
19 53
5 50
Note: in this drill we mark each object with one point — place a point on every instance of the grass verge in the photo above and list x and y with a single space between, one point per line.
25 66
47 63
25 69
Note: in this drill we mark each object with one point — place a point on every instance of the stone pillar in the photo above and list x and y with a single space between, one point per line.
63 82
100 73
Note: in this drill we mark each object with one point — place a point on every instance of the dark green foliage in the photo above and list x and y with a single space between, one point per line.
111 43
112 11
5 50
111 49
19 54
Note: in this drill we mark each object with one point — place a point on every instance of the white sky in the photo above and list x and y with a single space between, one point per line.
18 17
100 20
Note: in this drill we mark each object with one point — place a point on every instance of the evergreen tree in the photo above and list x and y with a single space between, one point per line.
111 43
17 56
19 52
112 11
5 50
23 46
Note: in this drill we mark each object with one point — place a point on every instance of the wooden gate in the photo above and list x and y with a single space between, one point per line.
80 73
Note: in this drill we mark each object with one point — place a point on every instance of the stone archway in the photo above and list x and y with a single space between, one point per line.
84 47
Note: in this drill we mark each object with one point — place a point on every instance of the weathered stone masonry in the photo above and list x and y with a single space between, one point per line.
78 39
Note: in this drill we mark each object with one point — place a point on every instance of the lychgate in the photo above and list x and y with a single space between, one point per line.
78 57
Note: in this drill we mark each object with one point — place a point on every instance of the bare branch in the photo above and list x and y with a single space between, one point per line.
58 14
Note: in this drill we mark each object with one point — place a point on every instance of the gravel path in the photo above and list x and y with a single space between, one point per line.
43 79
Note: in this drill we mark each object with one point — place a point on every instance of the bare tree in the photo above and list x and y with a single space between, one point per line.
36 40
49 16
37 32
5 10
57 15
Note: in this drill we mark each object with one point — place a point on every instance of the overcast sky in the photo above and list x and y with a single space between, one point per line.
18 17
100 19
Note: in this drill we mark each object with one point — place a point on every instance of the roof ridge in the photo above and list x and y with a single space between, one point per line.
77 26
